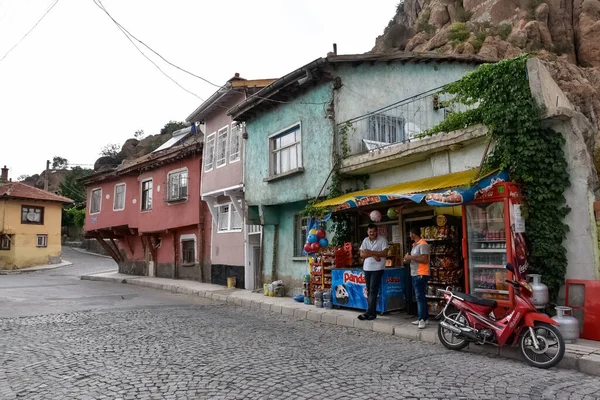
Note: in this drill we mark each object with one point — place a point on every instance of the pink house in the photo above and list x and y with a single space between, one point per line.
235 250
147 214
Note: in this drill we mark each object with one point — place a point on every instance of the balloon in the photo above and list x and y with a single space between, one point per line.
321 233
375 216
307 248
315 246
324 242
312 238
391 213
313 231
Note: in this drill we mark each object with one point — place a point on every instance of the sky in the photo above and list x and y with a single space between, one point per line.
75 83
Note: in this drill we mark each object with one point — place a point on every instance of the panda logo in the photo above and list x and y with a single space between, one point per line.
341 295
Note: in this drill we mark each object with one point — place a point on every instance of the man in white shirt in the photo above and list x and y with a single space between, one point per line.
373 251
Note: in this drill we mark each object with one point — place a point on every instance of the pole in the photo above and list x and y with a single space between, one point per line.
46 175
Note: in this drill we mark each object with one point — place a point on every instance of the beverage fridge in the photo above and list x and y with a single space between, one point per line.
494 231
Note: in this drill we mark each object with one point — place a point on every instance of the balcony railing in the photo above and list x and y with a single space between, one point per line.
400 122
250 229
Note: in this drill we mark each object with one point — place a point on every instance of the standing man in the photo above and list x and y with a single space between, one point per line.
419 270
373 251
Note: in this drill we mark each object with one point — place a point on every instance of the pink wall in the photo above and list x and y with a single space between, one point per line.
231 174
107 217
227 248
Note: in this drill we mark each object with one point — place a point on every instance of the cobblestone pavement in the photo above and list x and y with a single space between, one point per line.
218 351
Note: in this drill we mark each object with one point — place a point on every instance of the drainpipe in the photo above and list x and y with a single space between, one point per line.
201 229
275 244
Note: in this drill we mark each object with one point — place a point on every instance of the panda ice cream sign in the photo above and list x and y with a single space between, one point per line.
349 289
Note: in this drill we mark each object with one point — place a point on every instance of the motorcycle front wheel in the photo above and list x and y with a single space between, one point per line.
551 346
449 339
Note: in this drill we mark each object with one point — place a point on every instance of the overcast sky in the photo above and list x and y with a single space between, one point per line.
75 83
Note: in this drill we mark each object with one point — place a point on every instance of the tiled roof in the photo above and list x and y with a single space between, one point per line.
20 190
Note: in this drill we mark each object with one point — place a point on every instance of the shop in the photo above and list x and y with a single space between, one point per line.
473 226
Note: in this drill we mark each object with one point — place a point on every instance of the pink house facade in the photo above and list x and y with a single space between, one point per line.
235 250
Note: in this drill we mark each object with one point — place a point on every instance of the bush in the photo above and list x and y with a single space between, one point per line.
462 15
504 31
458 32
479 39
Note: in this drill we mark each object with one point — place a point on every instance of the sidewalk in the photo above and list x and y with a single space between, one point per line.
582 356
33 269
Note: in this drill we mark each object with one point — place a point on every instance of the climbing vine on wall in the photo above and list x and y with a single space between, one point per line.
532 154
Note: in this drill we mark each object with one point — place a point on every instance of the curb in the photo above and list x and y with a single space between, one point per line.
34 269
582 362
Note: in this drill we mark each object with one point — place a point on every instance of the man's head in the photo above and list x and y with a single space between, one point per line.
415 233
372 231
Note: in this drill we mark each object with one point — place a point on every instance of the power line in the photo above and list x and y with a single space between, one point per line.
36 24
99 4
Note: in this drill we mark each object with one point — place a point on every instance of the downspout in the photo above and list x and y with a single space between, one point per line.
275 245
175 247
201 230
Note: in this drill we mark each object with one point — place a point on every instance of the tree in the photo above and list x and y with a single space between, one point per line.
23 177
59 162
72 188
171 127
139 134
110 150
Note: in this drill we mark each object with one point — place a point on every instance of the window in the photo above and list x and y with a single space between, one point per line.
300 233
5 242
222 146
286 151
235 142
42 240
188 251
178 186
32 215
119 199
228 219
209 152
384 130
96 202
147 195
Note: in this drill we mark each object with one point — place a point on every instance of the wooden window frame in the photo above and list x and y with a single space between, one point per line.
27 222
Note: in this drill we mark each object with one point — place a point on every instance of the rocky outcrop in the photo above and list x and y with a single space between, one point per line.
131 149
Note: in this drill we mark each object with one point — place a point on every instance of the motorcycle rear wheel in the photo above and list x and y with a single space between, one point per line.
552 346
448 338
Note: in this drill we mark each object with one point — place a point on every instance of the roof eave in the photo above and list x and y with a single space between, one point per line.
207 106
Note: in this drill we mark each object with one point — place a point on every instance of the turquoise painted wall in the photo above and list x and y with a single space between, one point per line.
317 142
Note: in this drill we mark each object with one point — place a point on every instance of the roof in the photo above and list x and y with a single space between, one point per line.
18 190
177 137
225 93
315 70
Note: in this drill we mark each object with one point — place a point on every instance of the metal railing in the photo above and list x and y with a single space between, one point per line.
400 122
253 229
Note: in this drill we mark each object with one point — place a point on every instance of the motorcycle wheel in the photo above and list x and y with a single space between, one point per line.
448 338
552 346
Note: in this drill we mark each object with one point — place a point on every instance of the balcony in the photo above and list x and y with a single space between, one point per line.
253 229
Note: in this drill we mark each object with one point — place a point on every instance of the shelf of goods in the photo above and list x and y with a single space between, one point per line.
445 267
320 271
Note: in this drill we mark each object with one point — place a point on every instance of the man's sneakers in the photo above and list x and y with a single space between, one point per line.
366 317
420 323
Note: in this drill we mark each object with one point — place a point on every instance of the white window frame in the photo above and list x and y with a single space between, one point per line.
229 218
211 141
115 196
184 238
187 186
300 234
222 145
92 201
142 195
273 151
44 242
238 129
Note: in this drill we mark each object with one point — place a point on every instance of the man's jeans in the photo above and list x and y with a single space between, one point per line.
419 282
373 283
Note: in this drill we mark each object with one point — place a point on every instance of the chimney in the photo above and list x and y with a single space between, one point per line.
4 176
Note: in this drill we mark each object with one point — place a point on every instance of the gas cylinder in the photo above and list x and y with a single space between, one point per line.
568 324
540 291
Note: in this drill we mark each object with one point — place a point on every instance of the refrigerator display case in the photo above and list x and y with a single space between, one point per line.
494 230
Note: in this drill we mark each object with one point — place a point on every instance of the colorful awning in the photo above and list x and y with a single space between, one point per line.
445 190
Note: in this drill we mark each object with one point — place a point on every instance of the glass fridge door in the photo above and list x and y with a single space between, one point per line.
487 251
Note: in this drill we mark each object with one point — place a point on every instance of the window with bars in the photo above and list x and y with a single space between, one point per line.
386 129
300 234
119 198
235 141
178 186
222 146
147 195
228 220
42 240
5 242
96 201
188 251
286 151
32 215
209 152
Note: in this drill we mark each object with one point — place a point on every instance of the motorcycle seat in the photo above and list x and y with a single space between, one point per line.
476 300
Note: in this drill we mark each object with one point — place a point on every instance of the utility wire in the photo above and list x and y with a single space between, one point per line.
152 50
36 24
99 4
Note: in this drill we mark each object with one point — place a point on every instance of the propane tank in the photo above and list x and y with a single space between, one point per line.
568 324
540 291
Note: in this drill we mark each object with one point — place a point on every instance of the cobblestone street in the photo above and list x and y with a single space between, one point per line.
96 340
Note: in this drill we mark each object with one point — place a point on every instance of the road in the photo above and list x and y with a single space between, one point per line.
63 338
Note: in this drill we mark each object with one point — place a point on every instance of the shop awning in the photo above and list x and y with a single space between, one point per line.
444 190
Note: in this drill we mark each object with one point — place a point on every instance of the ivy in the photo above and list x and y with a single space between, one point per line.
532 154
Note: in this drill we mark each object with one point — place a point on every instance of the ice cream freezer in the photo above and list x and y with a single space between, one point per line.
348 286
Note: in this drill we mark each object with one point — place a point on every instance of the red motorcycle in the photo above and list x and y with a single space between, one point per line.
468 319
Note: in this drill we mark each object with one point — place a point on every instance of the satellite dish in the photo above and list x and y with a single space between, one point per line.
31 216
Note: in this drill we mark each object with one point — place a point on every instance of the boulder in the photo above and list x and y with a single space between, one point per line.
438 40
542 12
588 34
397 37
419 39
439 15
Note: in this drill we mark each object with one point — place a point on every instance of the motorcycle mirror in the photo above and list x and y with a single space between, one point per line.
510 267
